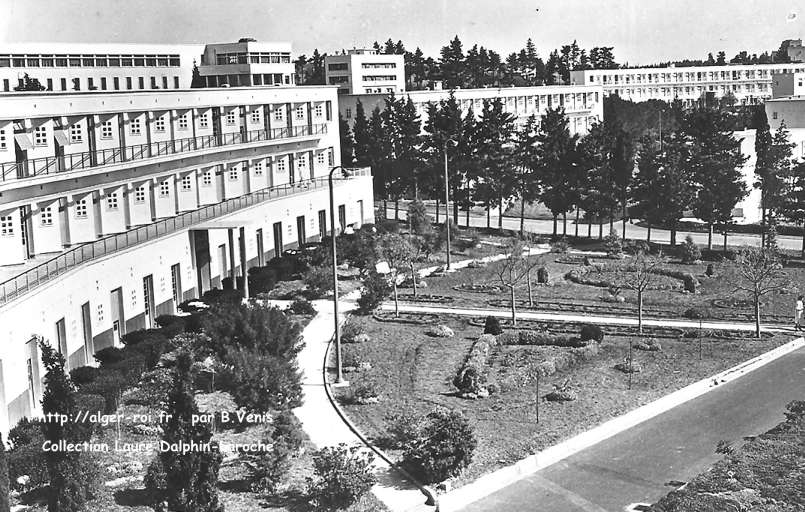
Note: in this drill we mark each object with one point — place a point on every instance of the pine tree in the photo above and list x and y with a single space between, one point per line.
452 64
558 165
646 183
523 176
794 209
598 191
197 81
72 480
363 143
347 142
495 129
191 478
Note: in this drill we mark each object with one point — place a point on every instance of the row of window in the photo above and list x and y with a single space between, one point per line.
692 76
75 61
379 78
74 84
223 59
379 65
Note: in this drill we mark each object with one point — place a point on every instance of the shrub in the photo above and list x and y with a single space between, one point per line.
689 251
319 281
634 247
542 275
109 384
156 483
342 475
402 425
171 325
353 331
492 326
560 246
696 313
440 331
26 457
259 381
83 374
216 296
376 289
286 427
5 489
442 448
152 390
613 244
262 279
418 218
648 345
109 355
591 332
364 392
302 306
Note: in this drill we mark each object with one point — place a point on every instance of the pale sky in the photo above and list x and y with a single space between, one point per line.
642 31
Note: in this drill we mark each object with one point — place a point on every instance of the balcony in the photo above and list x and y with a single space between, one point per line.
30 279
99 158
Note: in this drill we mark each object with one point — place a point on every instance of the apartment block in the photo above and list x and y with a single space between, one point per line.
247 63
364 71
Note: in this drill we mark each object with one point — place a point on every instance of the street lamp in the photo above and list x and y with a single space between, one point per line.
447 199
339 378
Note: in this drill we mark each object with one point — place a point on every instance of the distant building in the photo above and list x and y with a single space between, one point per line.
364 71
795 50
788 84
583 104
749 84
247 63
98 67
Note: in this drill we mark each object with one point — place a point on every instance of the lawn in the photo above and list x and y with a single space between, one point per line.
411 369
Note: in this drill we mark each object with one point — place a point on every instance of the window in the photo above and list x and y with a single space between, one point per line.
3 143
100 312
338 67
116 83
153 82
183 122
349 113
330 158
75 133
202 121
106 130
186 183
47 216
230 118
63 83
164 188
164 82
41 136
258 166
159 124
301 161
319 111
91 84
139 194
134 126
176 82
278 114
111 201
300 112
774 115
320 158
281 165
6 226
255 117
206 178
103 83
233 174
128 83
141 81
81 209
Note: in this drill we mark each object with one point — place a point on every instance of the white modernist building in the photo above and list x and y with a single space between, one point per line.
246 63
117 206
583 104
749 84
102 67
364 71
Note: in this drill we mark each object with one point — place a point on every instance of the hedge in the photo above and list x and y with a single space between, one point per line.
471 377
538 338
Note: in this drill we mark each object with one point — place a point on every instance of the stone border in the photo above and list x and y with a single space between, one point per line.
497 480
433 317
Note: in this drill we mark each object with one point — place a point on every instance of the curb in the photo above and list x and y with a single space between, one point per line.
492 482
431 502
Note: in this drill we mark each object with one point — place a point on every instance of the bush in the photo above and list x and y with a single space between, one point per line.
110 385
171 325
259 381
542 275
540 338
441 331
648 345
634 247
109 355
560 246
442 448
591 332
83 374
353 331
302 307
342 476
689 251
696 313
262 279
319 281
492 326
156 483
216 296
402 425
613 244
418 218
26 457
376 289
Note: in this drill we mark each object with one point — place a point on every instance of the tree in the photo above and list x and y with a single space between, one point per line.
522 176
716 161
638 273
558 163
493 137
772 167
440 446
760 272
363 142
71 474
646 183
191 477
452 63
347 142
197 81
794 209
29 84
397 251
5 488
513 268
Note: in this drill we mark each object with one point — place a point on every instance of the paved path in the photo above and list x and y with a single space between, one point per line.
324 425
603 320
636 465
478 219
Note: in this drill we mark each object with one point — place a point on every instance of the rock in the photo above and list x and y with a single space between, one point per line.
441 331
365 366
422 284
561 396
361 338
649 345
483 393
624 367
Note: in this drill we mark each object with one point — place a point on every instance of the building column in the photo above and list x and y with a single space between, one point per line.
231 234
243 262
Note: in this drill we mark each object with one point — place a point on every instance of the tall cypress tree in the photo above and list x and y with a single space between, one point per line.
523 176
347 142
363 142
558 164
191 478
495 129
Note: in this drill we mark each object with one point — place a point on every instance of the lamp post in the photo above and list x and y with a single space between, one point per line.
447 199
339 377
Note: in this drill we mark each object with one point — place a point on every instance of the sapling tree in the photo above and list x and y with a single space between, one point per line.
638 273
396 250
515 267
760 272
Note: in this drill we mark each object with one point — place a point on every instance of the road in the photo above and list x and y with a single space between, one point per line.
636 465
478 219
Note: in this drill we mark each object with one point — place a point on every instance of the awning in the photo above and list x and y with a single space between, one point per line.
61 137
23 141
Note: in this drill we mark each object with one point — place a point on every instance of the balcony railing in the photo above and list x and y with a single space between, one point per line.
90 159
30 279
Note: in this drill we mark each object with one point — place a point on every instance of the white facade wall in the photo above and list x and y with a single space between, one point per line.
749 84
365 72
